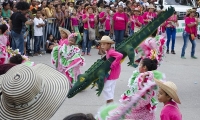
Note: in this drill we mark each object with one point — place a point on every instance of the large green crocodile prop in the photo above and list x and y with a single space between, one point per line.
99 70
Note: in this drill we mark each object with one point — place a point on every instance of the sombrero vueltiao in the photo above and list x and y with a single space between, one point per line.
106 39
33 93
170 88
151 6
64 30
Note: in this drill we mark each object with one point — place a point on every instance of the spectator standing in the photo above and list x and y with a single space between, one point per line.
43 5
136 21
190 33
59 16
134 5
104 25
148 16
74 25
90 18
33 5
171 24
38 34
128 5
71 6
120 24
17 21
145 3
105 19
6 12
50 13
67 17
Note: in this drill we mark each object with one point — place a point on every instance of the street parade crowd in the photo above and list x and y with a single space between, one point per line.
68 30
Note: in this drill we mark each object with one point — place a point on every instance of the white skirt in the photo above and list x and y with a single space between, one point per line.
109 89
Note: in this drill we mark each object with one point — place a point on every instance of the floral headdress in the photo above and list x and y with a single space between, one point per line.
73 35
12 52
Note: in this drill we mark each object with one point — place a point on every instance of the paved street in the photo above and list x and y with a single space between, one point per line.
185 73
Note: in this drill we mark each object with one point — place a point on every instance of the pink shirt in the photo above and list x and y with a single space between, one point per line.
74 21
3 40
120 21
115 66
80 14
133 22
193 30
170 112
172 18
63 41
91 21
105 20
149 16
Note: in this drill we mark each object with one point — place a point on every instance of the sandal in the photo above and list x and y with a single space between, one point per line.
83 53
88 54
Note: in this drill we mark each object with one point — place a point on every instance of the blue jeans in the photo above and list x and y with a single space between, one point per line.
86 42
119 36
107 32
37 43
28 43
186 37
171 33
17 41
131 32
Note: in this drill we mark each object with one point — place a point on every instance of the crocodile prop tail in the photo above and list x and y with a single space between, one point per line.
99 70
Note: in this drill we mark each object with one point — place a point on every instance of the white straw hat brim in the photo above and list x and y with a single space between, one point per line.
64 30
171 92
54 92
151 6
106 41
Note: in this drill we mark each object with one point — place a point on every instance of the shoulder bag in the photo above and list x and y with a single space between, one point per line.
91 31
192 35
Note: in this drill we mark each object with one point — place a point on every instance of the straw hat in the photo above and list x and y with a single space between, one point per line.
151 6
191 10
33 93
64 30
170 88
106 39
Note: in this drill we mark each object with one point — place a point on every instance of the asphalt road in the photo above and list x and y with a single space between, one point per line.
185 73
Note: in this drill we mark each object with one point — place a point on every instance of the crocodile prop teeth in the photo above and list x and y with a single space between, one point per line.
99 70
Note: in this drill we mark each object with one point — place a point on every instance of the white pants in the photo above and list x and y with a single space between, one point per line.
109 89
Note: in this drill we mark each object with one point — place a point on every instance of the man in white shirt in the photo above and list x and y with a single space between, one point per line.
38 32
145 3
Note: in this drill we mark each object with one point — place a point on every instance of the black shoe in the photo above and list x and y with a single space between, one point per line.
173 52
167 52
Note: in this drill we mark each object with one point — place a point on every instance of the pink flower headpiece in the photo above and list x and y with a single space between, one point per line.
72 35
12 52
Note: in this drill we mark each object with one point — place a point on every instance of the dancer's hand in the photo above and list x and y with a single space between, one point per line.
144 77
